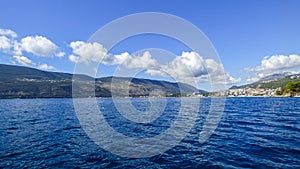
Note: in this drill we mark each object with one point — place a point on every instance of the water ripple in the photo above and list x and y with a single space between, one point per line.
253 133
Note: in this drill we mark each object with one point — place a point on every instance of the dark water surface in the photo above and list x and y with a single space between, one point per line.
252 133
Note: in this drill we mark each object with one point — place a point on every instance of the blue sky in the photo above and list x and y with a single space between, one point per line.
243 32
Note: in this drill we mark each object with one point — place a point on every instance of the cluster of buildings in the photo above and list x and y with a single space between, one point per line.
239 92
251 92
245 92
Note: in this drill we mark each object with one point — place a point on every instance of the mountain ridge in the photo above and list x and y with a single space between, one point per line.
26 82
273 81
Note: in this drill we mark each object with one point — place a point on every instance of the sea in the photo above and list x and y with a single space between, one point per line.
253 132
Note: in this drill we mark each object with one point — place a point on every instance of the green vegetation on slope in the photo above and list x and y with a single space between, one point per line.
278 83
24 82
290 89
271 84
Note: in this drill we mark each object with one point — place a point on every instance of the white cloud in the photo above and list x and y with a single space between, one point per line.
74 58
87 52
231 80
38 45
17 50
24 60
60 54
274 64
118 59
8 32
191 67
95 52
134 62
5 43
188 65
10 46
277 63
46 67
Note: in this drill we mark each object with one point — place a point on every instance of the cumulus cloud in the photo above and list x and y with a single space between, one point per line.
5 43
8 32
190 66
144 61
46 67
229 80
118 59
277 63
38 45
87 52
60 54
7 40
274 64
17 50
95 52
24 60
133 62
74 58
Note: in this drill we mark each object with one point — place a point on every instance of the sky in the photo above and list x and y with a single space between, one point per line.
253 38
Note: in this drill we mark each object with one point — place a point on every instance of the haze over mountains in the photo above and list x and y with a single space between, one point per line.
25 82
272 81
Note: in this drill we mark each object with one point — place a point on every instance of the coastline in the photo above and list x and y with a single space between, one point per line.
144 97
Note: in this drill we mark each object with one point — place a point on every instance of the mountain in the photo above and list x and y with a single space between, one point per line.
272 81
25 82
274 77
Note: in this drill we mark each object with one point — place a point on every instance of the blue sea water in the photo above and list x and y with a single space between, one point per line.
252 133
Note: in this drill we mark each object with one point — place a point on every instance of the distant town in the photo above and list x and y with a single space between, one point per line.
277 85
245 92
